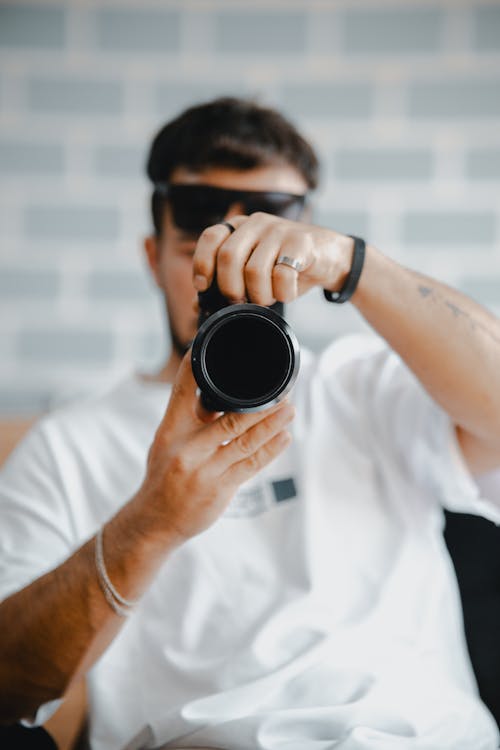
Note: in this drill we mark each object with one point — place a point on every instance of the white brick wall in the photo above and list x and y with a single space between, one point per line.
402 100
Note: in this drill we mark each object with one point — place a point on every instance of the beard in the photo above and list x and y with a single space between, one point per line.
180 344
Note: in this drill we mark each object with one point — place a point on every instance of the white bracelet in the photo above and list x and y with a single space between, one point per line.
117 602
122 611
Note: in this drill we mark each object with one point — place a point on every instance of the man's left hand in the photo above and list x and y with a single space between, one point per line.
245 260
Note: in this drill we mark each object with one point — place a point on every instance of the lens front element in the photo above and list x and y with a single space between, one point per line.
244 357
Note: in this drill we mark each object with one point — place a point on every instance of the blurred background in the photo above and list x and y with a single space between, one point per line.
400 98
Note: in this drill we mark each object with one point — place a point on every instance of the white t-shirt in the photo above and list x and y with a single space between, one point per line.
320 611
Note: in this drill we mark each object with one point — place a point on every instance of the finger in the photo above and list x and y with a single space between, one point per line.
232 256
228 427
285 283
255 437
204 259
259 268
203 414
285 279
182 404
248 467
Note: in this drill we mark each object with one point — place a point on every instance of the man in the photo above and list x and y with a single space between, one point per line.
286 579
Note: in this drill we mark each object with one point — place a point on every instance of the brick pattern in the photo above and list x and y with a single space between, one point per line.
401 98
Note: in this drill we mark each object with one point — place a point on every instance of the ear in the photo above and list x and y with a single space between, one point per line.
152 250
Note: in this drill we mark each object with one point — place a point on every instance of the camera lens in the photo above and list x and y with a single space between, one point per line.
244 357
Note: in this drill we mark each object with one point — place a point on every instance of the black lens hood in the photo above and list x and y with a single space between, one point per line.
244 357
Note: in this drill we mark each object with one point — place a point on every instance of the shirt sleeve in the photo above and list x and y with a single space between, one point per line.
407 428
35 529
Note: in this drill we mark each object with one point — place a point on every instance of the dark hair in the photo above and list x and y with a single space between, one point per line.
227 132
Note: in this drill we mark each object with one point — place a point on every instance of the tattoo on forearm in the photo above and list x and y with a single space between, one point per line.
425 291
457 312
429 292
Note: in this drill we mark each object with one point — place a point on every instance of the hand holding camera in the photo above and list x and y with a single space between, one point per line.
270 258
195 466
245 355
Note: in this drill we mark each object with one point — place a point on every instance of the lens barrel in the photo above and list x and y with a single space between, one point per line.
244 357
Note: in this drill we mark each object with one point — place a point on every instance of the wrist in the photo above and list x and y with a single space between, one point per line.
151 522
344 245
346 284
135 546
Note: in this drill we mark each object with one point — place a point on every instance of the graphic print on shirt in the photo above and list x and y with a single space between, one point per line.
263 496
271 487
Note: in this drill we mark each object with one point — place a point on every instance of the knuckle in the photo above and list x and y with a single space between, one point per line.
230 424
245 444
202 265
225 255
211 233
253 462
258 285
275 233
261 216
252 272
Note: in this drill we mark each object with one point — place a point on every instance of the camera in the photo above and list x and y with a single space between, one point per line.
244 356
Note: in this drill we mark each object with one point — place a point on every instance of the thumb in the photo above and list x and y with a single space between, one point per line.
181 409
205 415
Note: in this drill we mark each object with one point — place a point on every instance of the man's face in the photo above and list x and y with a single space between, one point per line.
170 255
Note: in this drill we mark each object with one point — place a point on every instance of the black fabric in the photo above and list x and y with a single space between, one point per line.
474 546
19 737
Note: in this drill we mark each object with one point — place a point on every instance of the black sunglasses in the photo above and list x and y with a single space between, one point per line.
195 207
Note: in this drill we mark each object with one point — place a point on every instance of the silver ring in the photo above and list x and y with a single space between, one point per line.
228 225
285 260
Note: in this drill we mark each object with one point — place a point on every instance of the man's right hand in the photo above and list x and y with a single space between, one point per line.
60 624
198 460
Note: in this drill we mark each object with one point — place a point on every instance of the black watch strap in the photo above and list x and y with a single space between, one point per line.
352 279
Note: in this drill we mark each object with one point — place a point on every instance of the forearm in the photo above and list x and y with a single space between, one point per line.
451 343
57 627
